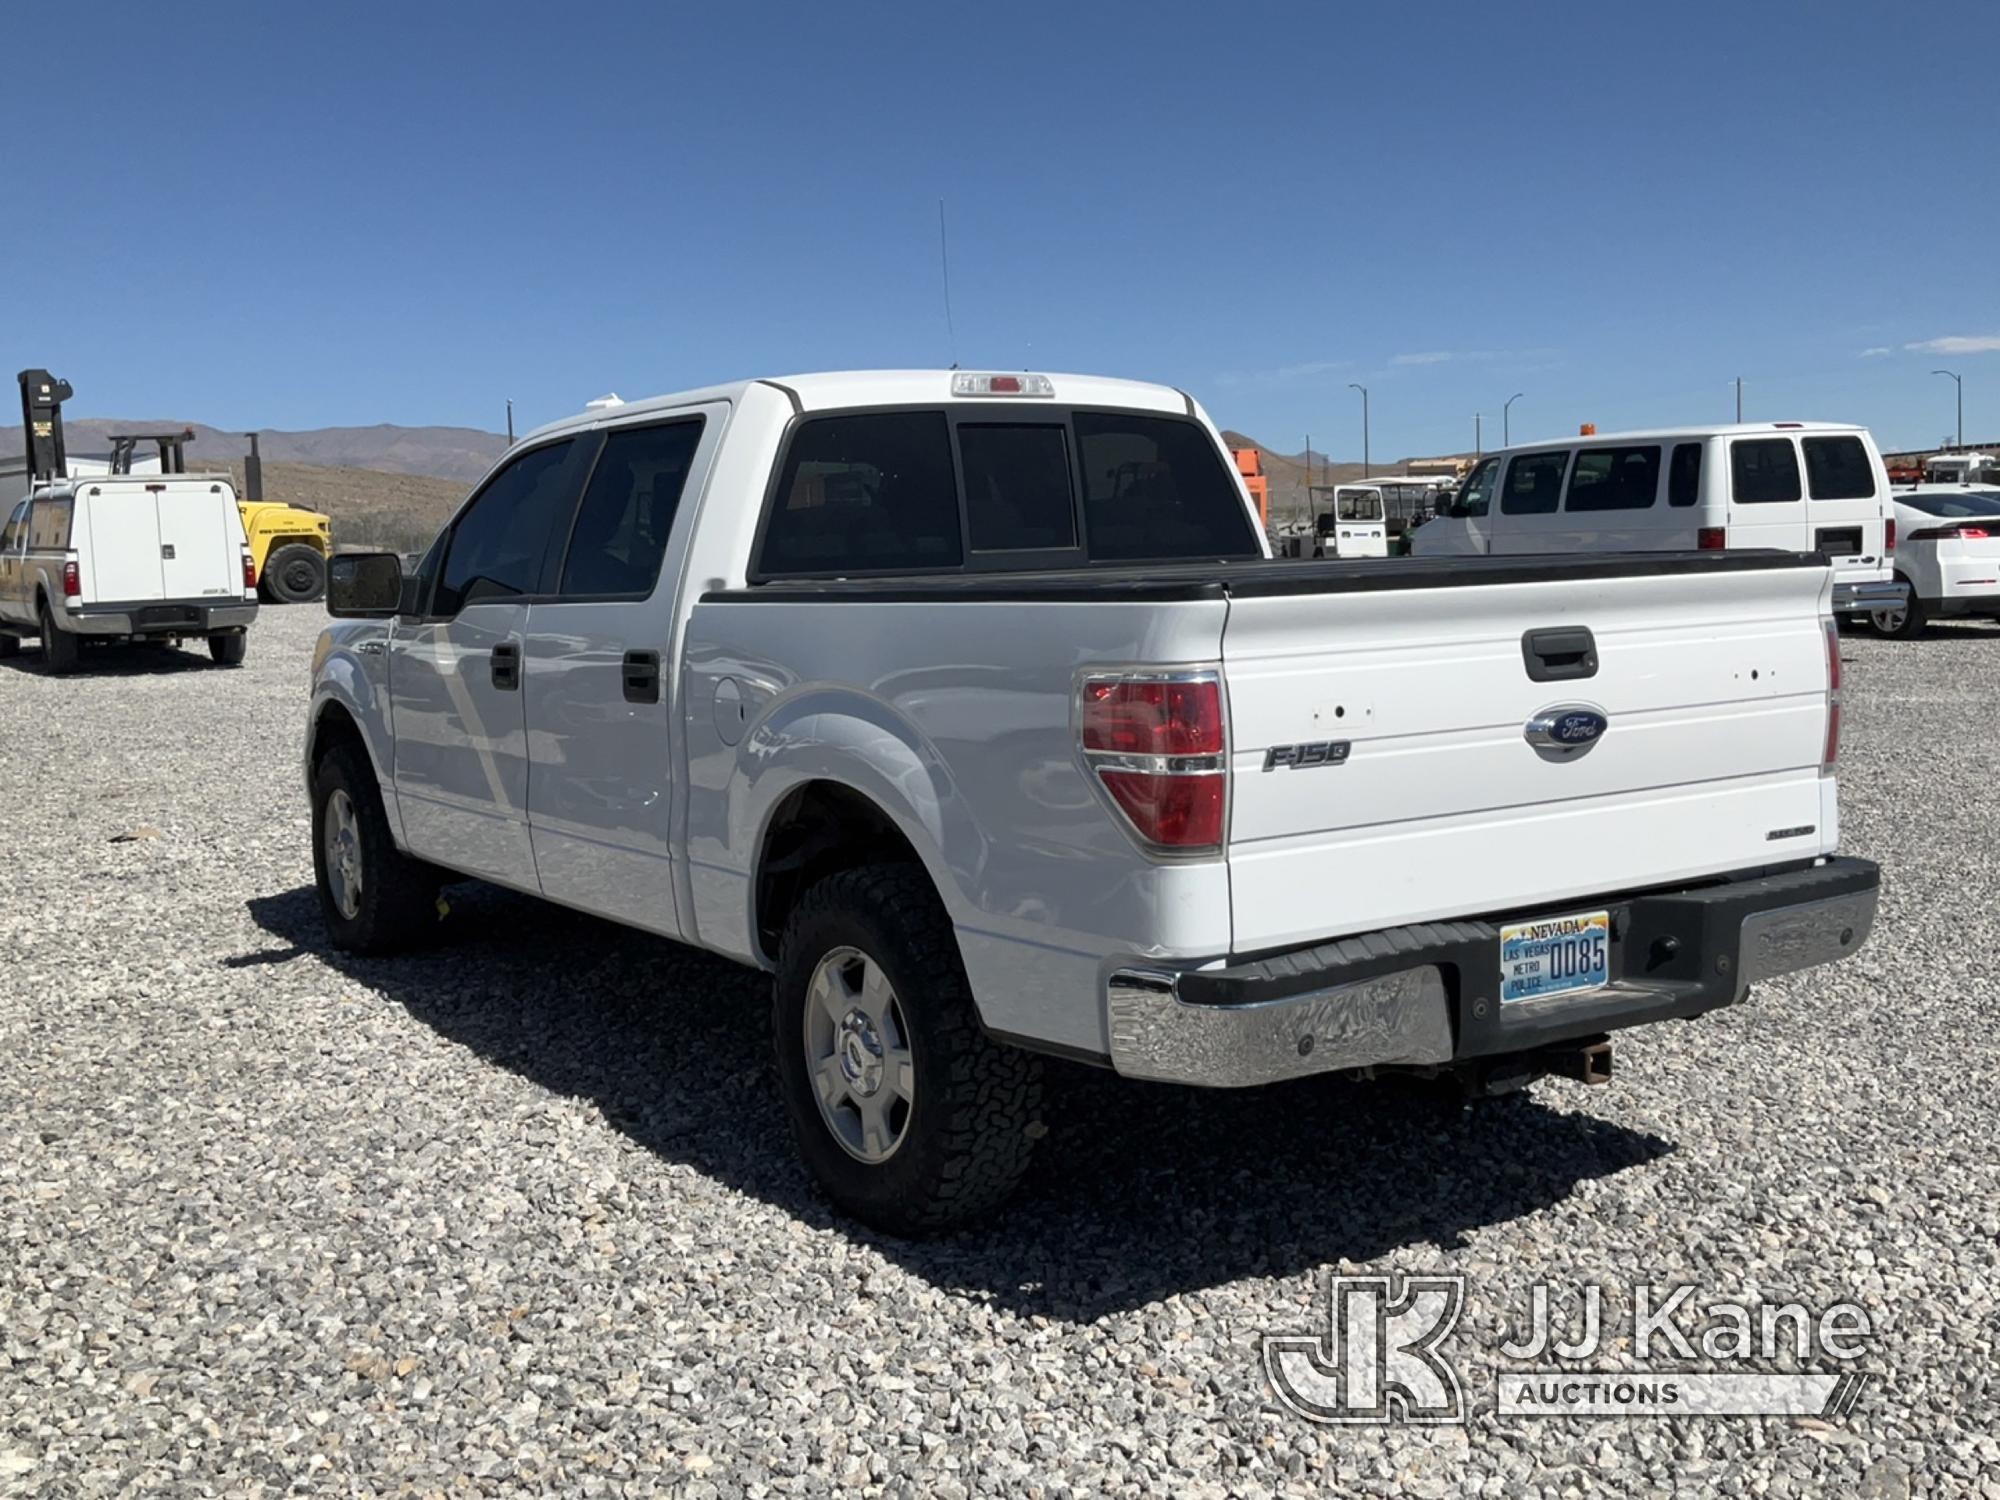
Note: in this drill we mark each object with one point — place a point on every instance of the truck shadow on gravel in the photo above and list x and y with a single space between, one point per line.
1139 1192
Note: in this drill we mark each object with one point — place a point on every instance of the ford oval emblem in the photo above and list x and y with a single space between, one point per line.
1566 731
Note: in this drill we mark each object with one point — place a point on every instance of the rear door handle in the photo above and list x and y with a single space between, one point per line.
507 667
1559 654
642 676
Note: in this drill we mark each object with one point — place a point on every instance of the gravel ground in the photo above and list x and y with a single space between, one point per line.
519 1214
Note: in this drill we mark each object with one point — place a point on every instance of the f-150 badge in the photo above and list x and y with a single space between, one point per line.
1304 757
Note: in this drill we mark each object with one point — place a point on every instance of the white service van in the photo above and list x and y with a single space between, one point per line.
1810 487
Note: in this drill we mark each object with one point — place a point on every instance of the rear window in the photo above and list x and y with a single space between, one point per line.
864 494
1017 489
1971 503
1614 479
1534 484
1156 488
1359 507
1763 471
1684 478
1837 468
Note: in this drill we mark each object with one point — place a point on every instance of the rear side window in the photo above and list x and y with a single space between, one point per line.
16 525
1763 471
1837 468
1534 484
1017 489
48 525
500 541
1614 479
1684 478
865 493
1156 488
628 508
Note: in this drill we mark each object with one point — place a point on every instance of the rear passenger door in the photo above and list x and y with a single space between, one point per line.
455 672
1612 501
1846 504
600 689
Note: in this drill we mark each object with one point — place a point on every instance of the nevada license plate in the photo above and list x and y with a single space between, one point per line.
1555 956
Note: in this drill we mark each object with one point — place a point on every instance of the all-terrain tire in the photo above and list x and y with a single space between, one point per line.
228 649
294 574
397 900
59 647
976 1107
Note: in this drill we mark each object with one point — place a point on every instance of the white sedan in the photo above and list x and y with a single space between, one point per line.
1948 552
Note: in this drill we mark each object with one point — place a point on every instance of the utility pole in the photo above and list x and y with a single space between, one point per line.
1365 469
1507 427
1478 440
1739 398
1961 403
510 421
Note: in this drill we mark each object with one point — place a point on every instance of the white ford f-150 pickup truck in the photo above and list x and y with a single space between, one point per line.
972 708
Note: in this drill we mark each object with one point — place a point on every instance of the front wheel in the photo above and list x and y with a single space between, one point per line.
374 897
910 1117
295 574
1903 623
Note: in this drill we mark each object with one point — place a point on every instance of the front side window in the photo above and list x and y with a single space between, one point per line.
1684 479
1477 496
1837 468
1156 488
1017 490
628 508
1614 479
499 542
1534 484
866 493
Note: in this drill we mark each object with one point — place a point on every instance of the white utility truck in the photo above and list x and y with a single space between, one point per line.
970 706
157 557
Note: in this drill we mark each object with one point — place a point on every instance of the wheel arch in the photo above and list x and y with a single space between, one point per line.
818 828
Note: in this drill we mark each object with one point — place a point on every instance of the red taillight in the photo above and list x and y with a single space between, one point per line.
1156 743
1964 531
1889 536
72 581
249 572
1711 539
1973 533
1832 751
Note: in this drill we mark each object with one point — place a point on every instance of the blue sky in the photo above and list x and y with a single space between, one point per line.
343 214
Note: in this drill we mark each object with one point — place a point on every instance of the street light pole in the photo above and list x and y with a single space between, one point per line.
1364 425
1961 403
1507 427
1478 440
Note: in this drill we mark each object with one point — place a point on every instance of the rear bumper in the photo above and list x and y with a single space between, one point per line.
1861 598
167 617
1427 995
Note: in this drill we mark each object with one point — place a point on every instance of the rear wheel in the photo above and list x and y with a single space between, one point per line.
911 1118
1903 623
59 648
228 649
374 897
295 574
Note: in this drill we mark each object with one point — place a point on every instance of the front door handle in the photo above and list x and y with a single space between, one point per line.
507 667
642 676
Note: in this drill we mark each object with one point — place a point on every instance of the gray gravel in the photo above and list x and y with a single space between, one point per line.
519 1215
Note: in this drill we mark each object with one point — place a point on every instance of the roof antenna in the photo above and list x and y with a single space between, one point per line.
944 263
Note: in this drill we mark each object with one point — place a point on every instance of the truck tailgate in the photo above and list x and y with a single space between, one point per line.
1711 680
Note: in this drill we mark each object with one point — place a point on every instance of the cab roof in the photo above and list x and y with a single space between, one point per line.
832 390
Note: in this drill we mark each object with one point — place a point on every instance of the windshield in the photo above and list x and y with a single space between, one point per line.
1971 503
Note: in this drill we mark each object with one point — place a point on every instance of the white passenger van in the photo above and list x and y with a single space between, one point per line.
1813 487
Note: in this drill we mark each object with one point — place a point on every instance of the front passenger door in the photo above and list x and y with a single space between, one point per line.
456 668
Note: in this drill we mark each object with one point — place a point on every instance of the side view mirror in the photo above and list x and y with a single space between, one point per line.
364 585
